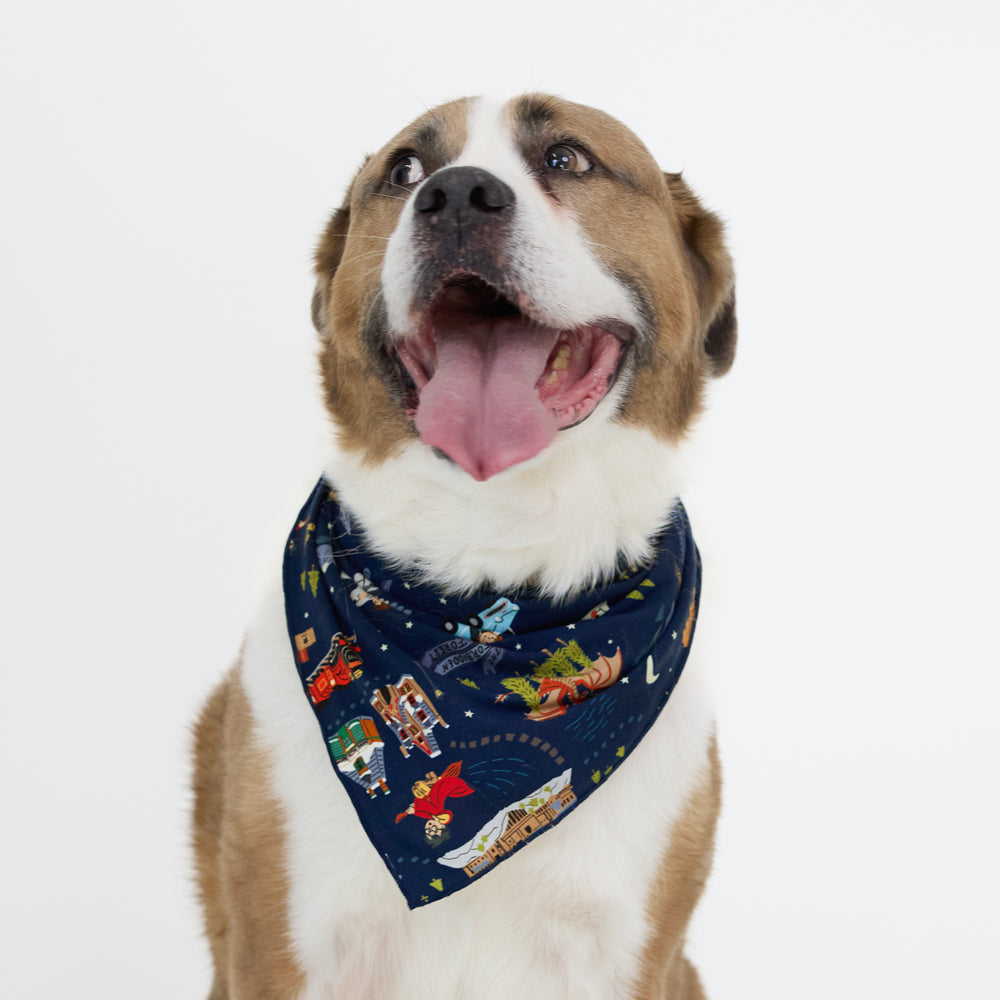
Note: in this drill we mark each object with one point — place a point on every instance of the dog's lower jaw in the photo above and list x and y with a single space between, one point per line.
560 521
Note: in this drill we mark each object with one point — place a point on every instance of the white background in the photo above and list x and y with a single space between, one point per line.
165 172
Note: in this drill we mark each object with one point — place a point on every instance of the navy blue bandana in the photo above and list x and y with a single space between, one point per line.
462 728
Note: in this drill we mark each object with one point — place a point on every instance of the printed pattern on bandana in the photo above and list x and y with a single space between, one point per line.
464 727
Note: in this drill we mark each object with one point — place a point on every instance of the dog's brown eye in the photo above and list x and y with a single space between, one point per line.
406 170
563 157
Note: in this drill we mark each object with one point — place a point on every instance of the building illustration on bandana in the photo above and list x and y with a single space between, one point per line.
356 749
410 714
512 826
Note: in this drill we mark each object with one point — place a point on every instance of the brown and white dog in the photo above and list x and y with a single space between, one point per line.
518 313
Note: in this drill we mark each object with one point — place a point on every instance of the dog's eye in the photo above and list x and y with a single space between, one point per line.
563 157
406 170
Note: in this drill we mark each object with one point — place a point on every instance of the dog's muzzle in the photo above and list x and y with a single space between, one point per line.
489 384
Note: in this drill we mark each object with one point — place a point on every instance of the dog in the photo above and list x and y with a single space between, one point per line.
518 313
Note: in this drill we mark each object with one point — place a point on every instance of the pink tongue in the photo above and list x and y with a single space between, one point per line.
480 406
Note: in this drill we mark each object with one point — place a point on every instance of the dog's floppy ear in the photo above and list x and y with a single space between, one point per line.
327 260
704 240
328 255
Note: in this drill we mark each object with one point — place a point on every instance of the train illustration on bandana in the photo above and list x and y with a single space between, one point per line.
339 667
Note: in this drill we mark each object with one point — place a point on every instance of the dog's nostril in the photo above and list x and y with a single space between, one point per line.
430 199
490 197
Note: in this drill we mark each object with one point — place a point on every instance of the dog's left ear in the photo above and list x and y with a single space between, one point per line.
704 239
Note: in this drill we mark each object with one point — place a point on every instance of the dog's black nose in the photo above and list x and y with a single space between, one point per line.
450 190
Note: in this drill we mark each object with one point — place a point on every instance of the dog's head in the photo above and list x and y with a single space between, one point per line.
502 274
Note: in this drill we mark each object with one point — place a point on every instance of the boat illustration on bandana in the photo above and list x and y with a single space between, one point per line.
463 728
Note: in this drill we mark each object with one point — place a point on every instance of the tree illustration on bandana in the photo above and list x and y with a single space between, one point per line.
566 677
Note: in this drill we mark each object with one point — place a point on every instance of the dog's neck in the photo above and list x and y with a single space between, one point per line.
561 521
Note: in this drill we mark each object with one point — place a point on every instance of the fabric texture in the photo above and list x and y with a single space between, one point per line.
462 728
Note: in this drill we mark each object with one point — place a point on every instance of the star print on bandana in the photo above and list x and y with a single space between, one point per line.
492 715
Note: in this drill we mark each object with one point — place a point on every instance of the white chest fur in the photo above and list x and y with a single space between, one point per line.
565 917
561 519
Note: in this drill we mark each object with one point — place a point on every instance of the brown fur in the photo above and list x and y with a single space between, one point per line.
239 842
679 883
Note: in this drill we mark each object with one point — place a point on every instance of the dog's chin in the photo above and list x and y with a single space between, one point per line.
489 386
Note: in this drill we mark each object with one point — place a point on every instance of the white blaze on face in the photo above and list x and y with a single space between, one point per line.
547 255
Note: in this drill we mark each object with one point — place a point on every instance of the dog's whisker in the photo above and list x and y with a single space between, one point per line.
603 246
372 270
377 252
363 256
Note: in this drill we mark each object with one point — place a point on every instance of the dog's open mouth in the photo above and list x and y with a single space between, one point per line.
491 387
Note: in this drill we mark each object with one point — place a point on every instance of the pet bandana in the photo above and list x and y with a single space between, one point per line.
462 728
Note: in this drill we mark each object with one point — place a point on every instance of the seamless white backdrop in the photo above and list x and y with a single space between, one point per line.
165 172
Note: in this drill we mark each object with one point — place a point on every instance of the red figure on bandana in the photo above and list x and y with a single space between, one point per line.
429 797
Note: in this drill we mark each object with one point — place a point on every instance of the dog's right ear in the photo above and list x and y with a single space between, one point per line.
327 260
328 256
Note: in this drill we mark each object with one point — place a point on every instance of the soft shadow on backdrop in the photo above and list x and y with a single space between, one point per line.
166 172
